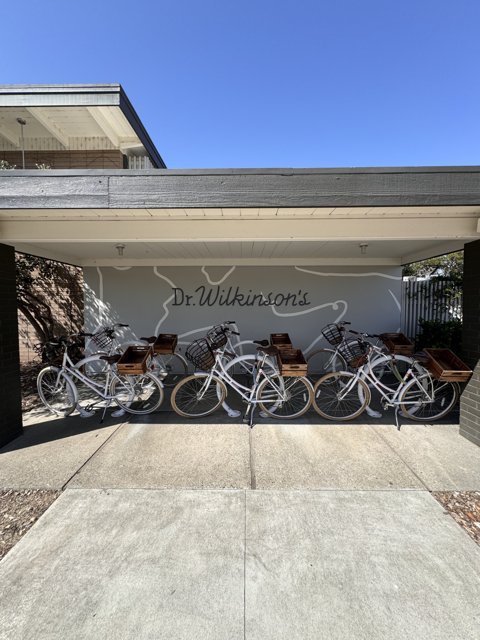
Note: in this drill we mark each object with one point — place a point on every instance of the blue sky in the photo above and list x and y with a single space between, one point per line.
269 83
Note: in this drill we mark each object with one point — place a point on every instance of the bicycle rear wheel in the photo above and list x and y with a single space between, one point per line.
284 398
426 399
137 394
173 364
198 396
57 391
340 396
323 361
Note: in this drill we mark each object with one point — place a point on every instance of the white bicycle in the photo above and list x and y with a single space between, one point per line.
172 367
202 393
137 394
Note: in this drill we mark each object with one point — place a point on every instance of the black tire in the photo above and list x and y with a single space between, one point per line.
137 394
193 398
284 397
431 398
337 396
57 391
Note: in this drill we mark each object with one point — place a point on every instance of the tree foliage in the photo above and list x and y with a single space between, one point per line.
449 266
49 295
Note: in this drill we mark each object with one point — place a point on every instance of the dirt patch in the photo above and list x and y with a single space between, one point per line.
464 507
19 510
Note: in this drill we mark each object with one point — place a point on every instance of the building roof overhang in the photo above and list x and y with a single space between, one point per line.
73 117
274 216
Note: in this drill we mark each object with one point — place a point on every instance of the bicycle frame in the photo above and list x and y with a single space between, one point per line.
390 396
69 369
218 373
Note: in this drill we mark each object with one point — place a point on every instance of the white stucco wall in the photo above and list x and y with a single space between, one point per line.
298 300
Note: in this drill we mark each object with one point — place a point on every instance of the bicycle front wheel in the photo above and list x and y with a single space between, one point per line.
340 396
173 365
426 399
137 394
57 391
198 396
284 398
323 361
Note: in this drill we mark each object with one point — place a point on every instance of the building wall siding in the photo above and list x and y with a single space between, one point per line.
85 159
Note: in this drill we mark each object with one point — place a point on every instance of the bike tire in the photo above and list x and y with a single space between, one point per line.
340 396
57 392
444 398
185 396
386 369
173 364
139 394
284 397
324 361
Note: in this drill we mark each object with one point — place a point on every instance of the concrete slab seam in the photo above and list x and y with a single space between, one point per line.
253 477
94 454
379 435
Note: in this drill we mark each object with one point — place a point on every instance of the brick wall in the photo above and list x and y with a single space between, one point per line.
470 400
10 395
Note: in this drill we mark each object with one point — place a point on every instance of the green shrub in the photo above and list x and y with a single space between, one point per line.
438 334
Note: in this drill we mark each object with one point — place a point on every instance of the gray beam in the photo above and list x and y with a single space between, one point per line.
430 186
46 191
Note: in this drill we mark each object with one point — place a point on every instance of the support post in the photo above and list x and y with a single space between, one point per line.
10 392
470 400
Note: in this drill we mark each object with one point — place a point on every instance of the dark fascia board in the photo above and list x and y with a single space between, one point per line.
85 95
234 188
131 115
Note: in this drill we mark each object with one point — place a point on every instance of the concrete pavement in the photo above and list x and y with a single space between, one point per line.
215 531
228 565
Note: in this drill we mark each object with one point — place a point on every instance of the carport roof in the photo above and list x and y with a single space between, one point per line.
241 216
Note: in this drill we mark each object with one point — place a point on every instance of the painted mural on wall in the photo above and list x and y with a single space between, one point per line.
261 300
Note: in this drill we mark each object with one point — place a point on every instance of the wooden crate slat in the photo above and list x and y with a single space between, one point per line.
446 366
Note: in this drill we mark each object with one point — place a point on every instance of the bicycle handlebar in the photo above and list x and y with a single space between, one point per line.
363 334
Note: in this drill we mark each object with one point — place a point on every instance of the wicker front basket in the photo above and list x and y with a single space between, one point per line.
134 361
444 365
291 362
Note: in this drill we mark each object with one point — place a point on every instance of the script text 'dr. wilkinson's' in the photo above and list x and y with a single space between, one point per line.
234 296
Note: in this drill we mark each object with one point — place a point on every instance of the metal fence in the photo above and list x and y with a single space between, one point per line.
437 299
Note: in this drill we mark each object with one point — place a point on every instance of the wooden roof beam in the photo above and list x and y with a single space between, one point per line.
40 114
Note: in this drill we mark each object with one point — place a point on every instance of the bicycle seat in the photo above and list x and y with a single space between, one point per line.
262 343
270 350
111 359
150 340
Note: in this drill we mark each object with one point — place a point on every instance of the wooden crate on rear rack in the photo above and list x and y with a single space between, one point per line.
134 361
291 362
444 365
280 340
165 343
398 343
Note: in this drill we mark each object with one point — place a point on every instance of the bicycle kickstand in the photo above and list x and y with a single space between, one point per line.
248 417
105 411
397 419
